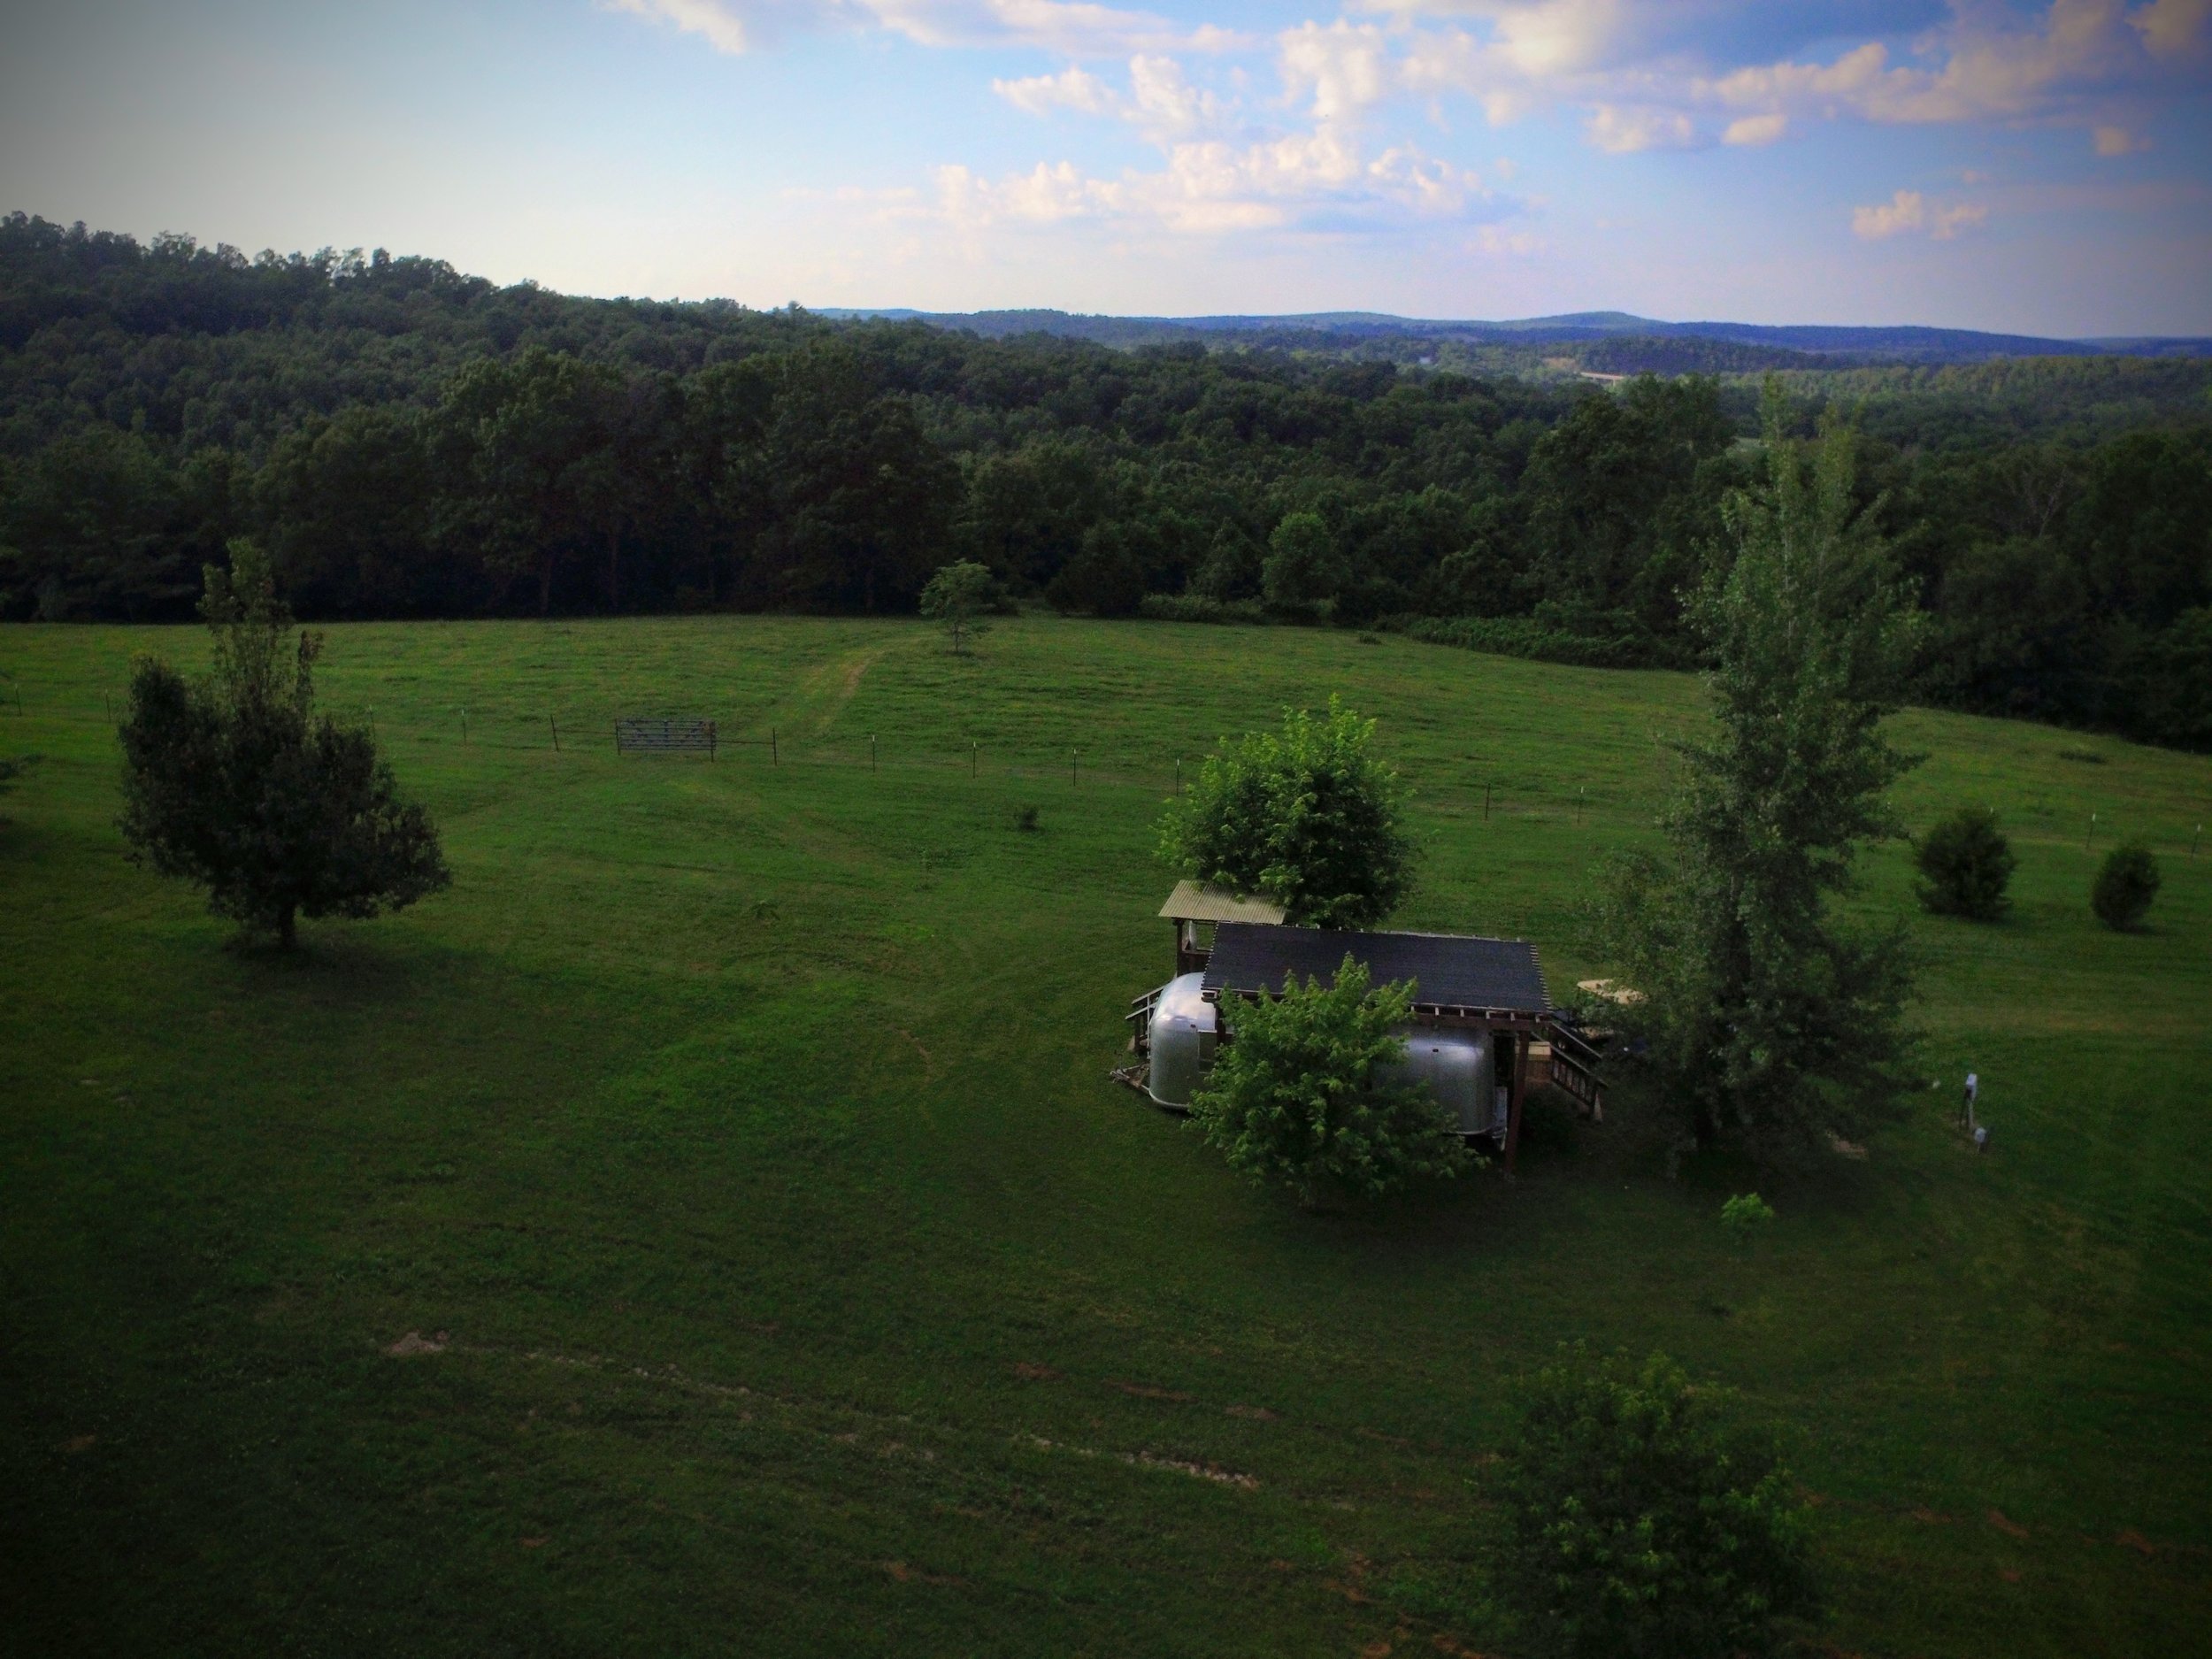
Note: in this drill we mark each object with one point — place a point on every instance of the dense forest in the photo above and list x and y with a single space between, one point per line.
408 440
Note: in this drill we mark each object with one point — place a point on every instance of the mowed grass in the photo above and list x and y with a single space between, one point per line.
741 1131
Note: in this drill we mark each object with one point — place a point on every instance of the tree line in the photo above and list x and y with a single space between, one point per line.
406 441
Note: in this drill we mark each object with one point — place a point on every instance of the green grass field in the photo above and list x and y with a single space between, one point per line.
805 1287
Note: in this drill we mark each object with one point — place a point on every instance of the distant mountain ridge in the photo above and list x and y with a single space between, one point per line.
1820 345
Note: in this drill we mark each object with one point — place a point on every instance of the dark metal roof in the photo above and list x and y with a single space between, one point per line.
1448 970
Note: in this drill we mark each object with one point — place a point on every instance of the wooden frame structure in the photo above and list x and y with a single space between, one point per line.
1197 910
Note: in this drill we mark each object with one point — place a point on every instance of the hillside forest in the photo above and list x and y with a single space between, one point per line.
406 441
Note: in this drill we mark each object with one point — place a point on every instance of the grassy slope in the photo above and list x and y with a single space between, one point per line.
746 1129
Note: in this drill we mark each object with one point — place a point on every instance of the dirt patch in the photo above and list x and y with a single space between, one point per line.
905 1574
1258 1414
1204 1471
1143 1391
1028 1372
81 1443
2130 1539
416 1342
2009 1528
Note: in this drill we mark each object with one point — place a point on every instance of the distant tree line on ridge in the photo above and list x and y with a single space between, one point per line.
406 441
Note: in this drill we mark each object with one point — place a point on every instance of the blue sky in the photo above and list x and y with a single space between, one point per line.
2043 168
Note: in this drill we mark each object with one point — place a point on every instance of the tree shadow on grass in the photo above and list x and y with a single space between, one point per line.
1565 1161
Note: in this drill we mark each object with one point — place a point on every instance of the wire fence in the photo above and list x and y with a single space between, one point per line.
1474 787
1477 787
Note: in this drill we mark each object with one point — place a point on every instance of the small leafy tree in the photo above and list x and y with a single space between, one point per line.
1745 1215
959 596
234 782
1638 1526
1770 1020
1307 816
1966 863
2125 886
1293 1096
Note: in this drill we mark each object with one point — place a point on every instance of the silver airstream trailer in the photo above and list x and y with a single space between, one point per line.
1458 1067
1482 1020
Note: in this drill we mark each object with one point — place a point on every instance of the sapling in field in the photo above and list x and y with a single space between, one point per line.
234 782
959 596
1745 1215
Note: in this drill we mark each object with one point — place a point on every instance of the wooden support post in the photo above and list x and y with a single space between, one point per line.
713 738
773 759
1485 804
1513 1092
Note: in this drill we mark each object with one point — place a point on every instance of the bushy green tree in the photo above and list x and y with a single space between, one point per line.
1639 1528
2125 885
234 782
1293 1096
1304 570
1966 863
960 596
1770 1022
1307 816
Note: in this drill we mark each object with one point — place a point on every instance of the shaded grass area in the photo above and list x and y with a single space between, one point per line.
803 1287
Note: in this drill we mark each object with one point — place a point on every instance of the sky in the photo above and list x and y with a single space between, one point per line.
2037 168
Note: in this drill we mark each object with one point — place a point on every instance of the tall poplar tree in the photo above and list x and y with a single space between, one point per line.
1772 1022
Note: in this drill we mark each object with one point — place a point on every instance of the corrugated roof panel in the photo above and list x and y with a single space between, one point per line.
1448 970
1193 903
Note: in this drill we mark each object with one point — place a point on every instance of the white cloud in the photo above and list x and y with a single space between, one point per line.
1070 28
1072 88
1160 101
712 21
1541 39
1989 69
1345 67
1501 243
1212 186
2171 27
1073 29
1906 210
1909 212
1164 103
1754 130
2118 140
1623 132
